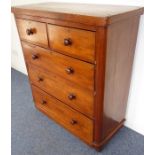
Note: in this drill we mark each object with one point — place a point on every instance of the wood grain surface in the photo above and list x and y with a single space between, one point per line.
61 89
40 34
73 121
83 73
79 59
82 42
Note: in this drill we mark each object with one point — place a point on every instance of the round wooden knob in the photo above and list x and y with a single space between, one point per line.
67 42
34 56
73 122
40 79
43 102
69 70
71 96
29 32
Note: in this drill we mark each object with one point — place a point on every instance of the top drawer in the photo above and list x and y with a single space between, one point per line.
34 32
74 42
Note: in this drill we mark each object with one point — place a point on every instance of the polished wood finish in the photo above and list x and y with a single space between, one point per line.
56 22
87 14
99 83
34 32
76 71
114 75
119 60
72 120
74 42
80 72
100 145
71 94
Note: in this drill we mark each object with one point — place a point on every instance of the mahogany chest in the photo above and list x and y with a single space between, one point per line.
79 60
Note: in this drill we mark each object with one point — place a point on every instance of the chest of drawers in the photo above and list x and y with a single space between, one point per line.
79 60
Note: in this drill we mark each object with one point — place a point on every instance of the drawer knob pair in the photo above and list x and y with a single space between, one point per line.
30 31
71 96
69 70
73 122
67 42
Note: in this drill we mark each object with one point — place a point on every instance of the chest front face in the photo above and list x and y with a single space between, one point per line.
79 67
60 63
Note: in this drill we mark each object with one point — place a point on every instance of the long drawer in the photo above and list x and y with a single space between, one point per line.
75 96
76 71
75 122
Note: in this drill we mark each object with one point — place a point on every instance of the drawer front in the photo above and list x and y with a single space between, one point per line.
77 97
75 122
76 71
34 32
75 42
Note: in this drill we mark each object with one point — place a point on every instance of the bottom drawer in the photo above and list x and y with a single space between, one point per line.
72 120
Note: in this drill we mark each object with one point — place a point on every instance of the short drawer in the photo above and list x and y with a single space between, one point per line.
74 42
72 120
75 96
32 31
76 71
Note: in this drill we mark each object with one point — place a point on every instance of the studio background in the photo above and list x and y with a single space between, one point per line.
135 110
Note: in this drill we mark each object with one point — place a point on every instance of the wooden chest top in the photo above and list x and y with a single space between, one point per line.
89 14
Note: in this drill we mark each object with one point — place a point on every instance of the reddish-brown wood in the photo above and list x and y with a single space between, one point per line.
37 30
81 75
73 121
82 72
99 83
99 146
75 42
62 89
57 22
117 56
88 14
119 60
